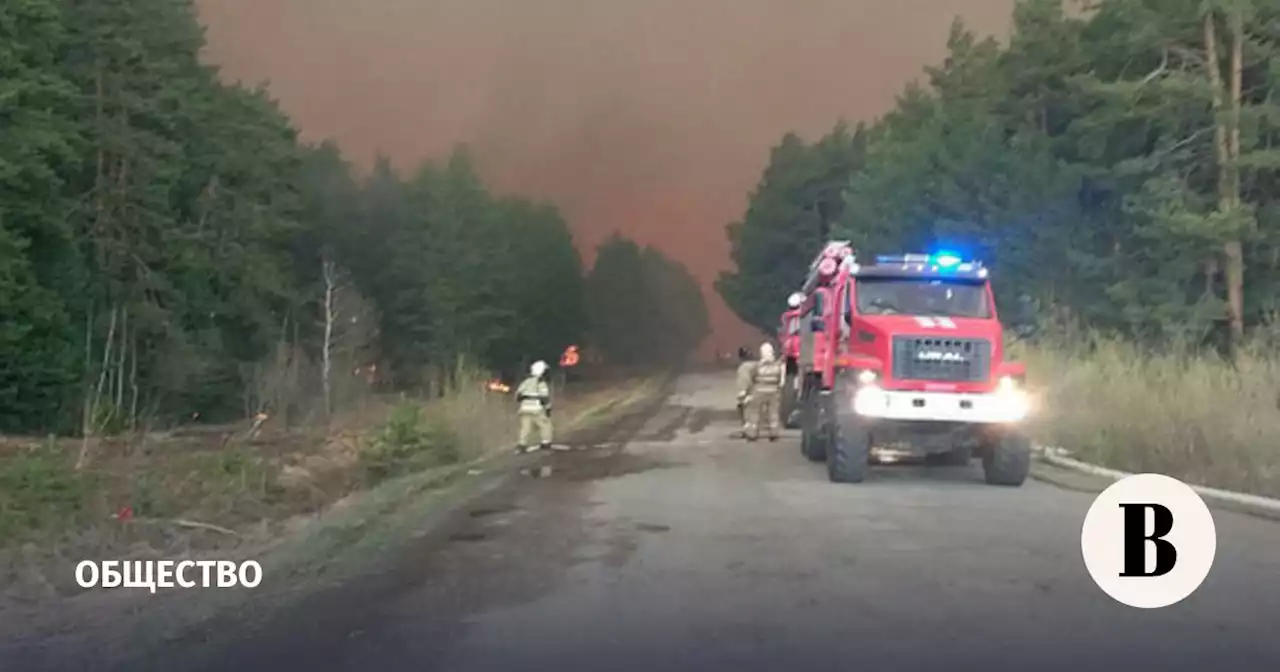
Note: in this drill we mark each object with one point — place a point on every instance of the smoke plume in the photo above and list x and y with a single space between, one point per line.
653 118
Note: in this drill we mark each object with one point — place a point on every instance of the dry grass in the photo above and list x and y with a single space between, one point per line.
1189 415
300 553
258 489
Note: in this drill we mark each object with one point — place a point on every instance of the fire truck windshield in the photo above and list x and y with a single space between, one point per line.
922 296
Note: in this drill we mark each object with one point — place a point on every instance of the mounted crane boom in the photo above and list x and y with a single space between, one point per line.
826 264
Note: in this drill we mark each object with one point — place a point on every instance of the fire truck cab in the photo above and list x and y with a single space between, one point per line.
905 357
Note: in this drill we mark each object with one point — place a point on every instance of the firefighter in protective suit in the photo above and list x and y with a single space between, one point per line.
766 388
746 369
534 397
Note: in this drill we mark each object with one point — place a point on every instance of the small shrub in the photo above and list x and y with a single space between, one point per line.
107 419
233 477
409 441
39 490
149 498
231 464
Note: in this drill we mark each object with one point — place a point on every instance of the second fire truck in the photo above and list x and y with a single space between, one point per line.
906 355
789 338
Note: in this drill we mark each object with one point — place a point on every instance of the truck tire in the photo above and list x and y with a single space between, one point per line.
787 407
812 444
848 456
1007 460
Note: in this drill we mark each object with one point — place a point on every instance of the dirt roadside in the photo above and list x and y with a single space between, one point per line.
354 564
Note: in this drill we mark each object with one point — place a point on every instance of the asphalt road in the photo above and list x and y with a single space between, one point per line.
685 549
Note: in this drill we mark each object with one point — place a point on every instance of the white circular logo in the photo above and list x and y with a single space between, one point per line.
1148 541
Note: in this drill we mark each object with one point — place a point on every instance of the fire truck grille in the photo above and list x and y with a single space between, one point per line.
952 360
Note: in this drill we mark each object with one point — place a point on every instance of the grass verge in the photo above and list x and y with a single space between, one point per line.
382 480
1193 416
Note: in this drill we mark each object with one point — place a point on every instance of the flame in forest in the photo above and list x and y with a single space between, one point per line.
498 386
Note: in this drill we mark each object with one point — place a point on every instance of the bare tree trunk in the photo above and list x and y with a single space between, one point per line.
92 404
133 382
101 157
1237 81
295 374
330 286
90 398
106 356
1225 133
86 423
1234 249
120 361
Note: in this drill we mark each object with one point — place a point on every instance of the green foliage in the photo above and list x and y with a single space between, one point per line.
150 499
38 360
38 145
789 217
1078 161
39 489
456 272
162 234
645 308
233 472
409 442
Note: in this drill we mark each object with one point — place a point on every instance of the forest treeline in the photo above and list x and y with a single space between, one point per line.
645 304
170 250
1116 162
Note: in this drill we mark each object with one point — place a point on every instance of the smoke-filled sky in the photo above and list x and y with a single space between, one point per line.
653 118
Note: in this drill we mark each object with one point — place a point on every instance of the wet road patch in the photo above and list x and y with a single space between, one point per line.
607 466
701 420
672 419
493 510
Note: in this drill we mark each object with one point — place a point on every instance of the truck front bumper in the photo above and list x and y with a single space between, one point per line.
1002 407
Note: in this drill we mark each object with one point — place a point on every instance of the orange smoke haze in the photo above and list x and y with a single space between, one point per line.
653 118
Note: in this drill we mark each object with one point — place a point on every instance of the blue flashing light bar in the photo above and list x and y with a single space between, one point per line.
941 261
903 259
946 259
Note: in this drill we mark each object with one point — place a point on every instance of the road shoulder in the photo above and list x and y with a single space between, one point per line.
346 579
1079 481
352 542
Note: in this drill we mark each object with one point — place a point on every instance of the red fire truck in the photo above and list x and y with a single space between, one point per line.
906 356
789 339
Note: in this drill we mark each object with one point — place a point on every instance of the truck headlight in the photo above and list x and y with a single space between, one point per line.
1013 401
867 377
868 400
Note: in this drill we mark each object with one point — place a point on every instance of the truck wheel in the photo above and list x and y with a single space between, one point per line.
849 453
1007 461
787 407
812 445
